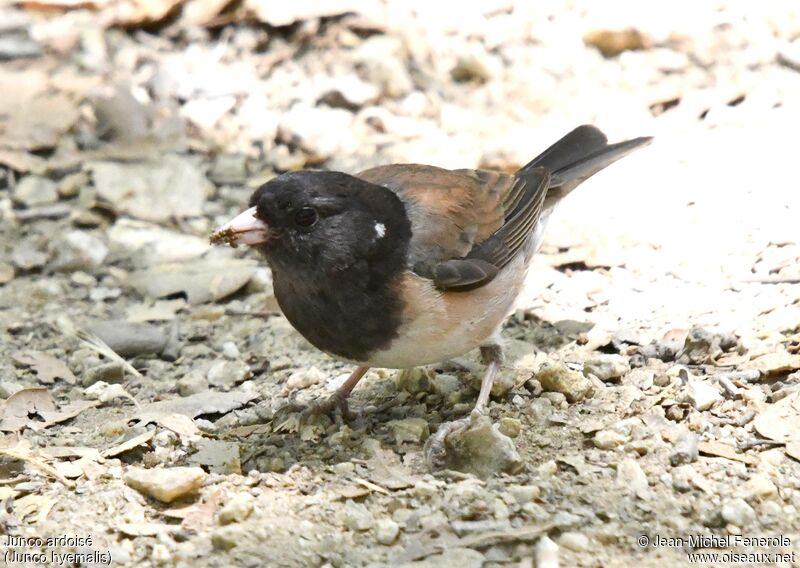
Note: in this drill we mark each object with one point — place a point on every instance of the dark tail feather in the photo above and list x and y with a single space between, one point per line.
577 157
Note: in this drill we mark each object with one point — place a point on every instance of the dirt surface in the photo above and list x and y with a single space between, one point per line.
651 390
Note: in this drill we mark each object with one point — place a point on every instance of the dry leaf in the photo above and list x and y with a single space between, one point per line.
245 431
352 492
720 450
371 486
129 444
104 392
217 456
68 469
47 367
71 452
487 538
67 412
209 402
198 515
775 363
91 469
35 506
182 425
16 411
31 117
161 310
779 421
24 453
386 471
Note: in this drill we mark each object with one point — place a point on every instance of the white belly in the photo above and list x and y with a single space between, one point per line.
443 325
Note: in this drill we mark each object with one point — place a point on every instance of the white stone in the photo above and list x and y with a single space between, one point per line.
609 439
761 487
702 394
357 517
386 531
737 512
230 351
304 378
167 484
546 553
238 509
574 541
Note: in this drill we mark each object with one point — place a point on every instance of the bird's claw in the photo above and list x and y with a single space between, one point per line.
334 407
436 452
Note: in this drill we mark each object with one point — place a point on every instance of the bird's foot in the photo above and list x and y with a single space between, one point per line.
436 452
334 407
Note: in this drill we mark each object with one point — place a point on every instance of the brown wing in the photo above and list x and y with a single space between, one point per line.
467 224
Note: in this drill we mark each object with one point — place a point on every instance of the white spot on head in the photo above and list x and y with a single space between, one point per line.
380 229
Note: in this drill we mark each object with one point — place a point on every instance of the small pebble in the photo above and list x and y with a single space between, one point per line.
445 384
574 541
6 273
559 378
417 379
34 190
701 394
541 409
70 185
607 367
131 339
230 351
511 427
413 430
228 374
525 493
631 476
761 487
738 513
78 250
304 378
108 372
685 450
167 484
357 517
228 537
546 553
386 531
344 468
609 439
238 509
192 382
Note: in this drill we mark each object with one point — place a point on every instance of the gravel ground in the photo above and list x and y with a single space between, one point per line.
652 390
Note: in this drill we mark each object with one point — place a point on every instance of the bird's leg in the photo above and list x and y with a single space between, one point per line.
336 405
492 356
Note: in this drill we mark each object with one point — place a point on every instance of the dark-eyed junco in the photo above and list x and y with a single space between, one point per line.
405 265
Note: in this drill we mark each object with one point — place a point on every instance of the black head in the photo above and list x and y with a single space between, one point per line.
329 221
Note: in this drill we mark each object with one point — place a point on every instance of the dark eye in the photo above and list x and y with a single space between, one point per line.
305 216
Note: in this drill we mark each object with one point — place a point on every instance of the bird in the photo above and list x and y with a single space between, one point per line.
405 265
